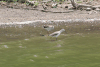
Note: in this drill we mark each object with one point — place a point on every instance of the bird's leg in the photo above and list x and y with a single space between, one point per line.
56 38
48 33
51 38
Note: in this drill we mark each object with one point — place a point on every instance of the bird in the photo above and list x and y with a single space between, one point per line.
48 28
57 33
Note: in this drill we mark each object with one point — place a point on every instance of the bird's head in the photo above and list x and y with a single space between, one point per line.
62 30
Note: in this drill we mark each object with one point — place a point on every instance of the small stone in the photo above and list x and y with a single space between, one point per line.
35 55
20 46
5 46
66 6
31 60
97 9
58 45
88 9
26 39
47 57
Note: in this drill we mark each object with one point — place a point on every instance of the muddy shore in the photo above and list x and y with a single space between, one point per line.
20 15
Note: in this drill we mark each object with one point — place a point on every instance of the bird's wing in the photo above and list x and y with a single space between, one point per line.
55 33
46 26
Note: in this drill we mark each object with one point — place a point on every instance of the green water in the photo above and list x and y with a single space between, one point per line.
27 47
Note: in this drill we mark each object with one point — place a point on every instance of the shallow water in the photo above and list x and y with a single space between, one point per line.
22 31
28 45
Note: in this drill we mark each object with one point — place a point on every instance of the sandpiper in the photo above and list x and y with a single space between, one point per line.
48 28
57 33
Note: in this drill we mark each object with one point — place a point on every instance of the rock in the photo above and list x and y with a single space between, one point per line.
44 6
66 6
92 12
89 3
3 3
97 6
59 5
54 5
88 9
31 2
97 9
9 6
